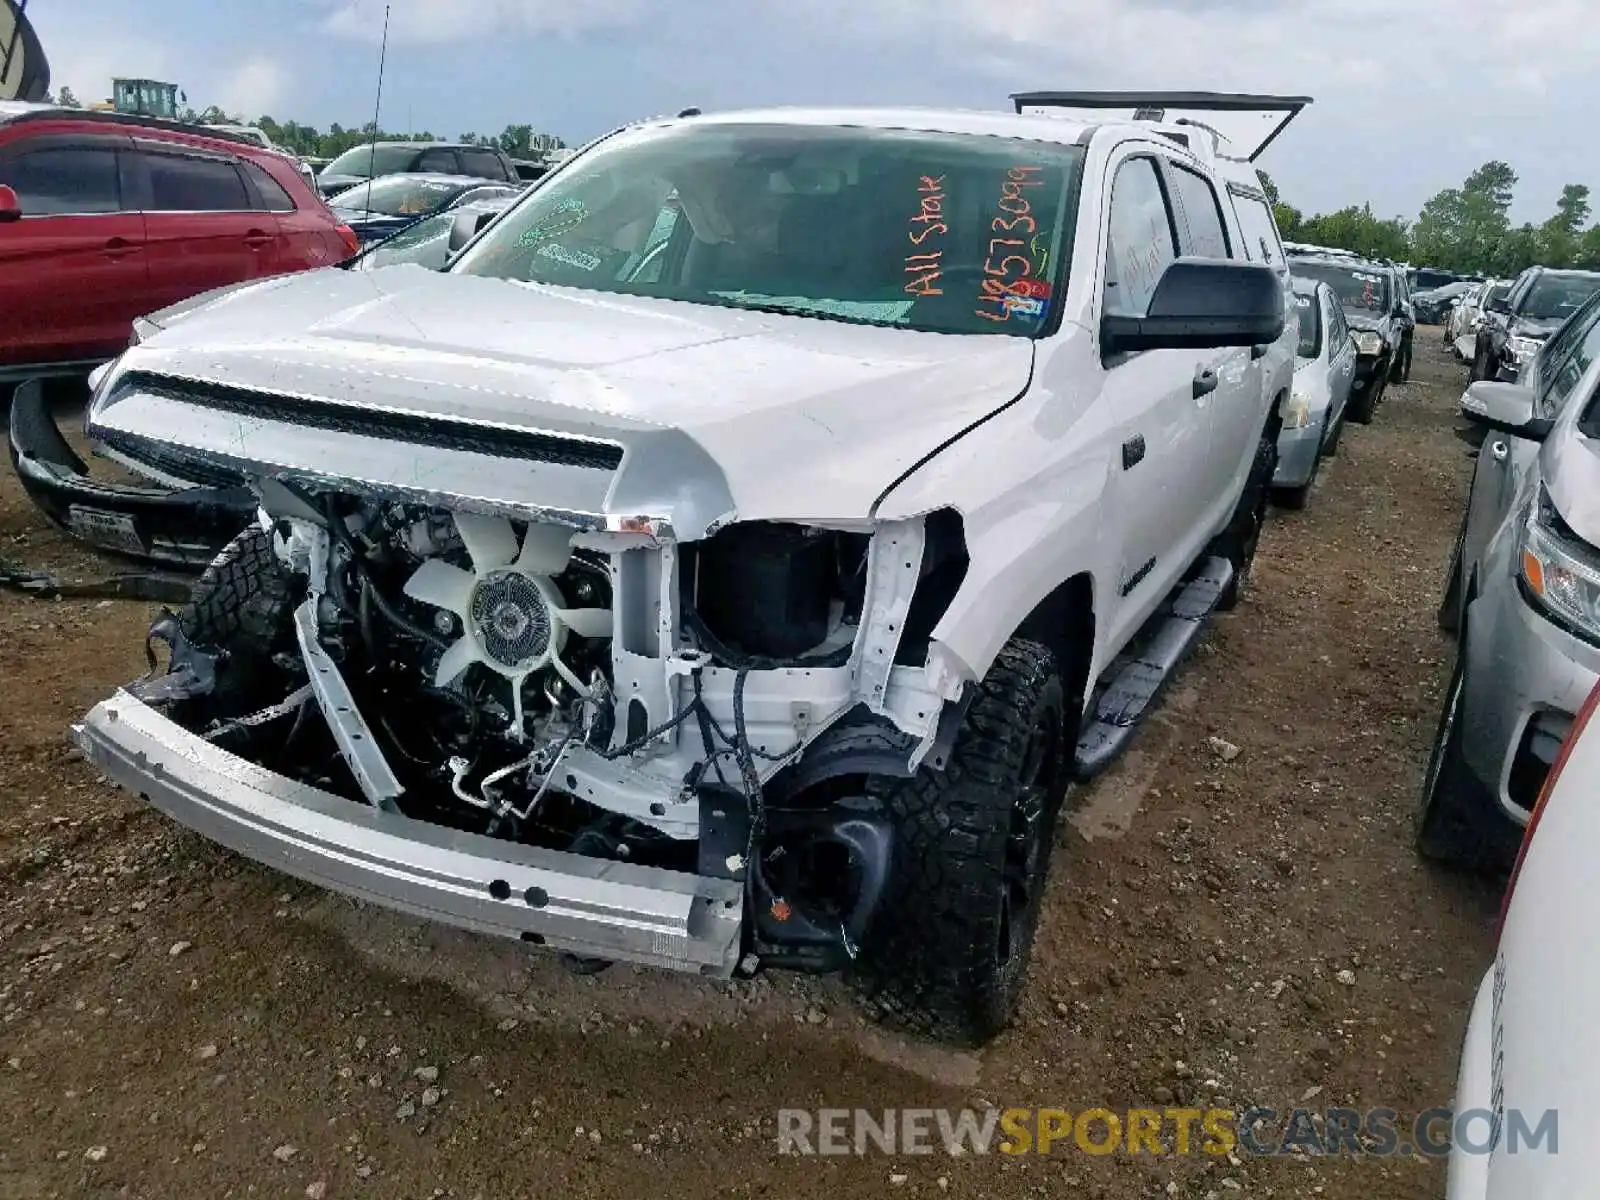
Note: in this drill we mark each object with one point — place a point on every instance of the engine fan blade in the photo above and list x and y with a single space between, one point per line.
586 622
456 660
546 550
437 583
490 541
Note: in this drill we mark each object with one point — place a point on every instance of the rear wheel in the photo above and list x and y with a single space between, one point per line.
1239 541
1402 364
947 953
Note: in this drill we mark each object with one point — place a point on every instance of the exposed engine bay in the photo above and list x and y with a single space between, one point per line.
706 706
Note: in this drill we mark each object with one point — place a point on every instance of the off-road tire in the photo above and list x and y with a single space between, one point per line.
1458 822
1239 541
947 953
240 612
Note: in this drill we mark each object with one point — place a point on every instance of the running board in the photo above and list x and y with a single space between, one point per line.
1136 677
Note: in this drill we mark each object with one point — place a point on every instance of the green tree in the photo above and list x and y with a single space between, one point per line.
1358 229
1559 236
66 99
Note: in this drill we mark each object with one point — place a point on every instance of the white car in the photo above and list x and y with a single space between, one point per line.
733 554
1525 1099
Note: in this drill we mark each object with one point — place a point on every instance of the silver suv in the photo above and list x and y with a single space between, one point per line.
1523 597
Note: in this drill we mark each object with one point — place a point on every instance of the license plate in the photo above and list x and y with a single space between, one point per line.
112 529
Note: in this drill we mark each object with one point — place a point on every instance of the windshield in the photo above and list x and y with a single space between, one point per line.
1310 315
1557 297
360 160
1358 290
398 196
930 231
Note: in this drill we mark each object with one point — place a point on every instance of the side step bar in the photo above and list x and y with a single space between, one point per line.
1138 675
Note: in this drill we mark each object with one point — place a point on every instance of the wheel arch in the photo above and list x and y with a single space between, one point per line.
1064 622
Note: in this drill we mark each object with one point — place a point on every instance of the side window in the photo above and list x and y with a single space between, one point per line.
273 197
438 160
64 181
1140 239
181 183
1338 334
1561 374
1259 229
1208 235
485 164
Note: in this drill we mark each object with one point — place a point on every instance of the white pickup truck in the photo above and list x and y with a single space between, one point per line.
735 555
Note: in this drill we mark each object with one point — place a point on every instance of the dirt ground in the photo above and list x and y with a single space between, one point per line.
177 1022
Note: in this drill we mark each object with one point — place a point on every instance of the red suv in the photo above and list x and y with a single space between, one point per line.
105 217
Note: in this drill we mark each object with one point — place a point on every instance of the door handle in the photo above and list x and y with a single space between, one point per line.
1205 381
1499 450
119 247
1133 452
257 238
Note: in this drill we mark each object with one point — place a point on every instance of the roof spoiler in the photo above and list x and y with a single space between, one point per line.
1247 123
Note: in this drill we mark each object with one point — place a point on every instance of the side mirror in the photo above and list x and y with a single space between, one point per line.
1202 304
10 205
1506 408
1499 304
466 228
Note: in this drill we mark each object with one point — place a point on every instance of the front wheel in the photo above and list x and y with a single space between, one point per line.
1455 810
947 953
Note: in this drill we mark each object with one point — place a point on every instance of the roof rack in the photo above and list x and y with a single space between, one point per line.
54 112
1248 122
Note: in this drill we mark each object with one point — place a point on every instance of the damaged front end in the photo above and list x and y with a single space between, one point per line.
552 723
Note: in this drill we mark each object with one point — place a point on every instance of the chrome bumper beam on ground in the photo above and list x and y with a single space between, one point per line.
590 906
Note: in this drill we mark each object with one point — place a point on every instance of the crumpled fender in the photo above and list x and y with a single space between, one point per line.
177 527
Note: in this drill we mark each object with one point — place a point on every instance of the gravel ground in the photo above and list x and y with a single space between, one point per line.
1244 928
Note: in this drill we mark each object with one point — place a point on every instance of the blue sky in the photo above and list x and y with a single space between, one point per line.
1409 98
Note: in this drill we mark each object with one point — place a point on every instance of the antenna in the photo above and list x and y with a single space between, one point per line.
377 106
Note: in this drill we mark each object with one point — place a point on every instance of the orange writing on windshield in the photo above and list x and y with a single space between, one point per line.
1010 281
926 262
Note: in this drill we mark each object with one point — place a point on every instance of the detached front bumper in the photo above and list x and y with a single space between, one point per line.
1297 453
177 527
593 907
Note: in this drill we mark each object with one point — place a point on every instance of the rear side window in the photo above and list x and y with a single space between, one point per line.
181 183
273 196
483 163
64 181
1208 238
1260 230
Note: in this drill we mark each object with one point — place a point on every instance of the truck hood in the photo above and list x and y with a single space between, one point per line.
718 412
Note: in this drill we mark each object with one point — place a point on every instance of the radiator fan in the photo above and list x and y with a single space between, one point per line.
513 617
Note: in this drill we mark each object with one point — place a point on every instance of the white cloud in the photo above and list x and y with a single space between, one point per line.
258 85
465 20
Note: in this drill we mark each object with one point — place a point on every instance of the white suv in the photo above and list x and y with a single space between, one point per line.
734 555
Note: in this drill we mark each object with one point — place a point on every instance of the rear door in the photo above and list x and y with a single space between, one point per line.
1159 400
1341 352
201 223
307 236
72 271
1239 407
